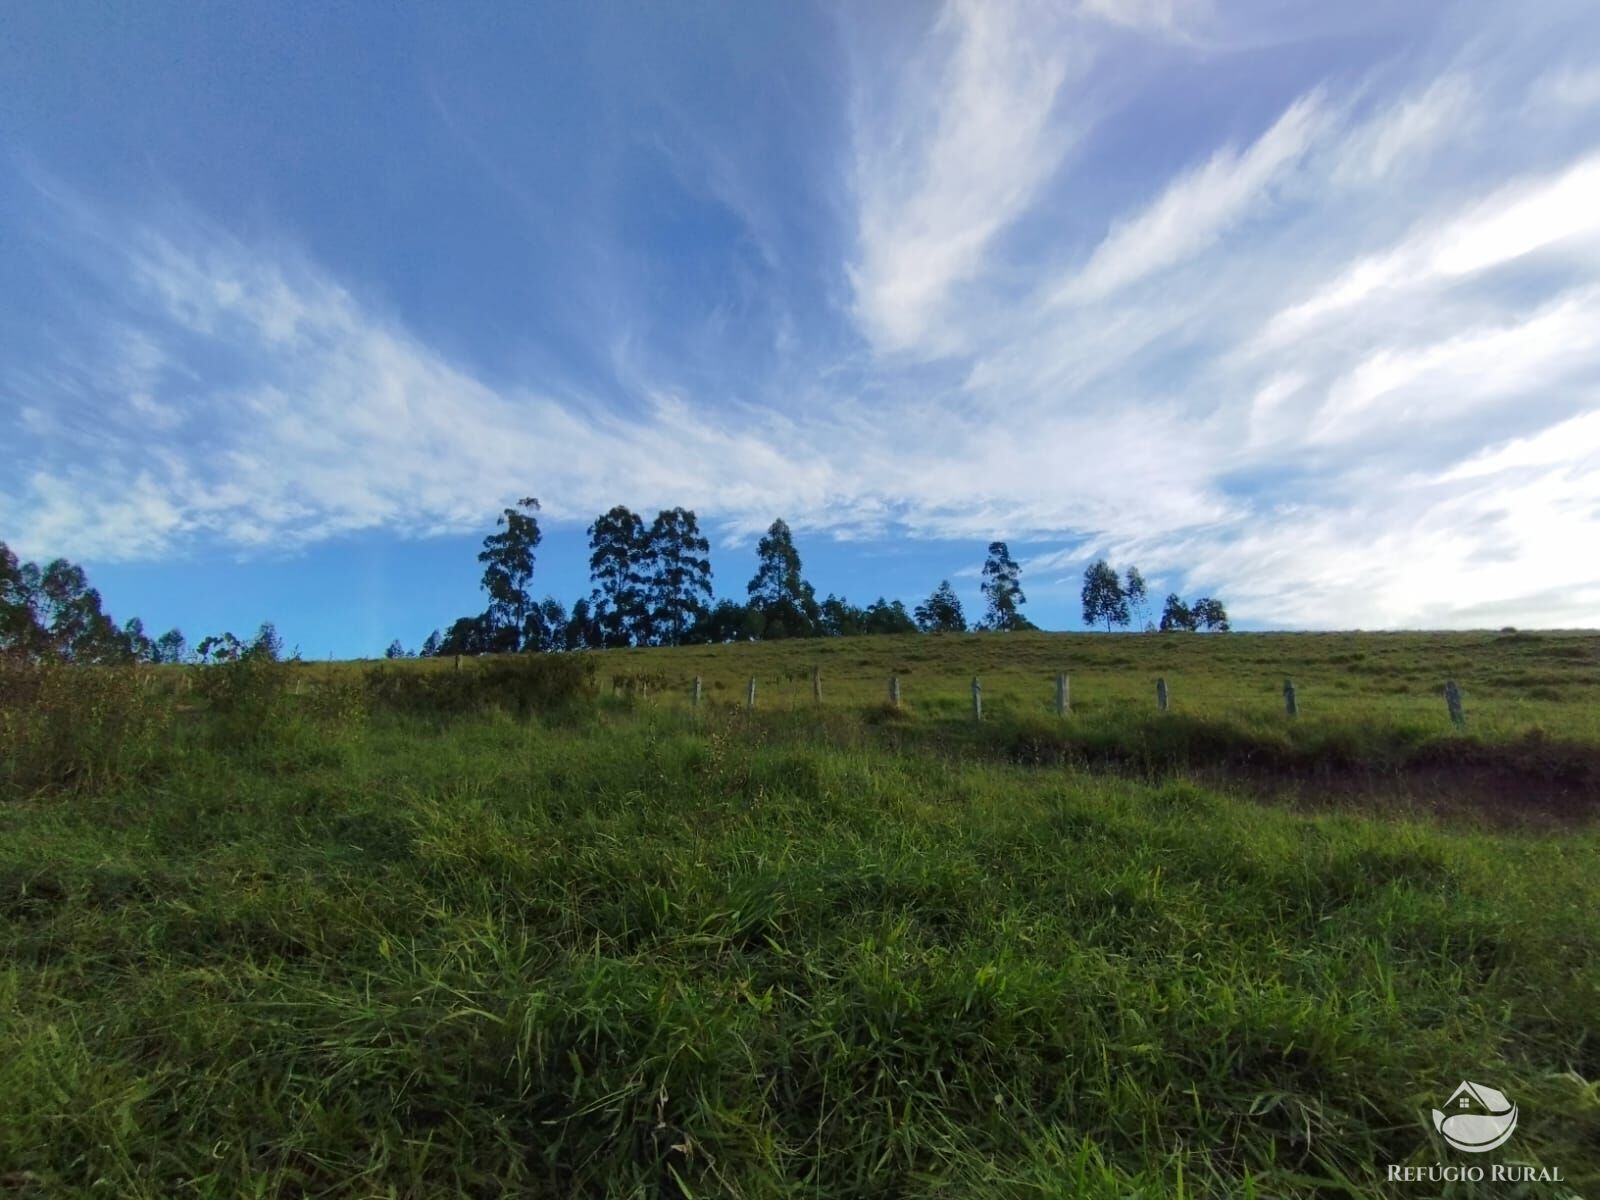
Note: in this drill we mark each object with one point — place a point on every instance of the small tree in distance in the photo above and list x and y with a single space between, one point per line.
941 612
1002 590
779 592
618 552
1206 613
1103 596
507 559
1176 615
1209 613
679 575
1138 598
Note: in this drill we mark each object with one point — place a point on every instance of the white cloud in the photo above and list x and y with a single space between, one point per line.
1570 444
1167 18
1339 373
1197 209
1445 381
1405 132
1523 217
1569 87
961 156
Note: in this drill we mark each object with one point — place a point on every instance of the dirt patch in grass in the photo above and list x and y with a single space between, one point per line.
1534 781
1503 794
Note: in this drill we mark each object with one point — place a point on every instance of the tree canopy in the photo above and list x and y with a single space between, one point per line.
787 604
1002 591
1104 599
941 612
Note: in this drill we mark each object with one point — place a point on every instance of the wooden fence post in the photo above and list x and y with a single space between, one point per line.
750 696
816 684
1063 694
894 690
1161 693
697 691
458 662
977 699
1452 699
1289 704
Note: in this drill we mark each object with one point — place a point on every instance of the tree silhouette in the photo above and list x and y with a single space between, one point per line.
679 575
786 602
1103 597
941 612
618 548
508 566
1002 591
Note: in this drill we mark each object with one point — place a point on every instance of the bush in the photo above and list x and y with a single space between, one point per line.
78 726
522 686
336 703
247 699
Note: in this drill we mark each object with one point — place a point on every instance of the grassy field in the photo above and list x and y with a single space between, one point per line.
345 930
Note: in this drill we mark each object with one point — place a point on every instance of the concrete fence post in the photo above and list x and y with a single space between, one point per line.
1063 694
977 699
1161 693
697 691
816 684
1290 705
750 696
894 690
1452 700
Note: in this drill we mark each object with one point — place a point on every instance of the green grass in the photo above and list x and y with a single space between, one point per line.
622 948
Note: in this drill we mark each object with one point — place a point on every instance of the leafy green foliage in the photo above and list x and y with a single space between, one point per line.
508 560
1104 599
79 727
520 686
941 612
619 552
787 604
679 575
1206 613
1137 594
53 613
1177 616
1002 591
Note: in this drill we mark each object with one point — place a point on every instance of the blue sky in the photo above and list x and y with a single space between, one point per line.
1298 305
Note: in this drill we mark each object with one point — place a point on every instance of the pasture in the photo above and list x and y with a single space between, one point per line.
548 929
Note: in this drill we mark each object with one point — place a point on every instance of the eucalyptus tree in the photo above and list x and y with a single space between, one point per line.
678 575
779 591
618 557
941 612
508 558
1002 591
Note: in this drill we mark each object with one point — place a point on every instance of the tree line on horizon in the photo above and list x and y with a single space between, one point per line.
1120 600
651 586
51 613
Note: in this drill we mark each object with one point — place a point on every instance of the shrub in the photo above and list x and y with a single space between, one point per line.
521 685
336 703
246 698
78 726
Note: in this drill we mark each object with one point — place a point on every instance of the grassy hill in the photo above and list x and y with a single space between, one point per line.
545 929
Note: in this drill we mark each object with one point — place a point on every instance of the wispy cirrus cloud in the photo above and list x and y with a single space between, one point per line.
955 152
1309 345
1198 208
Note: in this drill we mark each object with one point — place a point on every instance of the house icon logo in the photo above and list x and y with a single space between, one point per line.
1476 1118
